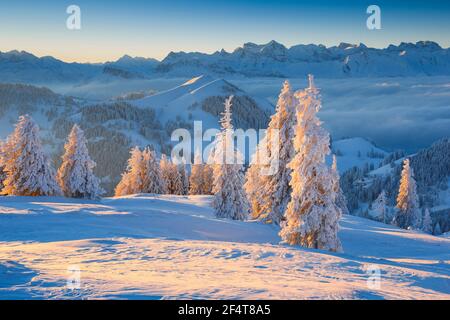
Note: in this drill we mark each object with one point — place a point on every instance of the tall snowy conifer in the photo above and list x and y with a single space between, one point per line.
171 176
152 181
269 192
312 215
184 178
75 176
165 168
196 178
229 197
341 201
29 172
253 189
408 215
132 179
208 179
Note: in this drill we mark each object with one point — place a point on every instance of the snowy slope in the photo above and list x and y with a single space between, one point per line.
157 247
113 127
356 152
186 101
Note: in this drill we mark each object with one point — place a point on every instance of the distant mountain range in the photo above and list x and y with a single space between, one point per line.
424 58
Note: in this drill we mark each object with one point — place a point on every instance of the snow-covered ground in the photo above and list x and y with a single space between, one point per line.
173 247
356 152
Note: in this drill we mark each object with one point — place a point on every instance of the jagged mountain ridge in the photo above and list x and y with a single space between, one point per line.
424 58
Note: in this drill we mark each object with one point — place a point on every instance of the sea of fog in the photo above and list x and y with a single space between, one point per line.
394 113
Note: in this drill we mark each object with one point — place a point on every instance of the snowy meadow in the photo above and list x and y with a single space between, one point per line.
173 247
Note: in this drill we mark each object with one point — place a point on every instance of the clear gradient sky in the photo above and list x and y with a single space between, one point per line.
150 28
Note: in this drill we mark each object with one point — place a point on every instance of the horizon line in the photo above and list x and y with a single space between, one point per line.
221 50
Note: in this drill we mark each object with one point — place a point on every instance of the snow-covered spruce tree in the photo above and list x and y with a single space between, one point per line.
152 181
269 192
408 215
230 200
341 201
380 209
165 169
171 176
75 175
427 224
196 178
29 172
253 179
208 179
184 178
132 179
176 181
2 167
312 216
437 229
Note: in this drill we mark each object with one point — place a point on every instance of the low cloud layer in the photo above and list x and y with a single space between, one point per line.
395 113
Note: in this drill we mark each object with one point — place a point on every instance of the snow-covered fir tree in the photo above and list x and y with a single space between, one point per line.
230 200
312 216
341 201
437 229
75 175
165 169
2 167
269 192
171 176
254 195
380 208
176 182
208 179
132 178
196 178
184 178
29 172
408 215
427 223
152 181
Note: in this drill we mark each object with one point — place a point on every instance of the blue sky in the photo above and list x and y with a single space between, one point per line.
112 28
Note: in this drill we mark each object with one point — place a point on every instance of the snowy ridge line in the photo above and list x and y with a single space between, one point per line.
251 60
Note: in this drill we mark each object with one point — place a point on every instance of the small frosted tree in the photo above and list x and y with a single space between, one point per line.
75 175
2 167
341 201
152 181
379 207
408 215
437 229
230 200
28 170
312 216
427 223
196 179
132 179
267 181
